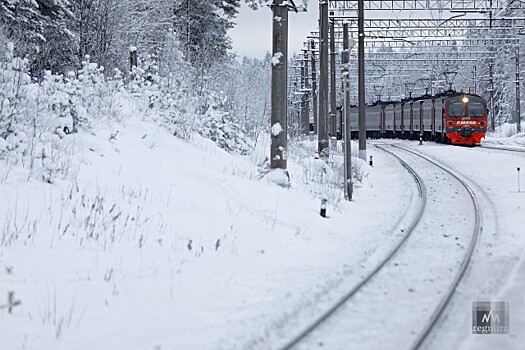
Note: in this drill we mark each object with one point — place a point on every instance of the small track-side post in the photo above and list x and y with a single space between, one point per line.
323 207
133 61
371 161
519 189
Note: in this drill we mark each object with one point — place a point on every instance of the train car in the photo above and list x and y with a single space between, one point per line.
465 119
389 119
450 117
438 121
374 120
428 118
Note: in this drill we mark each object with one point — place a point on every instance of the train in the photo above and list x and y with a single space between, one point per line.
452 117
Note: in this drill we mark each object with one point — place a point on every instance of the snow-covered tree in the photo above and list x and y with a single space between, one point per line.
202 28
40 30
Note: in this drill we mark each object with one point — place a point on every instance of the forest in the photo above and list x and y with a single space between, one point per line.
65 65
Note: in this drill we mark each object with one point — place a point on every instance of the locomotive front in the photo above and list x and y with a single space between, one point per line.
465 119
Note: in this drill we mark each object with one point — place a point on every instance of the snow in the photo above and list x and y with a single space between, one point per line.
512 293
492 173
3 145
155 240
506 136
276 59
277 129
160 225
10 48
279 177
405 280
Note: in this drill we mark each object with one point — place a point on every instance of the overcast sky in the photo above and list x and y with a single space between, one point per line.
252 36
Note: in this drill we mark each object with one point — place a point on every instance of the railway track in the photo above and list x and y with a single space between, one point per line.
333 309
419 338
464 264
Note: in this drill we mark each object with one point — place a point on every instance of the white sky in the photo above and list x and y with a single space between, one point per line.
252 36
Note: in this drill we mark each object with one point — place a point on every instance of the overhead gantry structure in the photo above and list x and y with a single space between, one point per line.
407 46
346 7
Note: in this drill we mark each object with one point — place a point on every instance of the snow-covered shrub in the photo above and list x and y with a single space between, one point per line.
91 96
323 177
13 80
3 147
36 114
39 109
160 88
165 100
228 135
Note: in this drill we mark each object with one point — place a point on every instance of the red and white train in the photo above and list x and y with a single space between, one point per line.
451 117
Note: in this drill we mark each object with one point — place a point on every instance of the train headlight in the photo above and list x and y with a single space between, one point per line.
465 99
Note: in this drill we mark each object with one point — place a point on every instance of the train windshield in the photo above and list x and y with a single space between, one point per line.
476 109
456 108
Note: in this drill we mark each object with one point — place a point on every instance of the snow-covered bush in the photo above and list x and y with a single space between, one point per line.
228 135
92 97
38 109
324 178
13 80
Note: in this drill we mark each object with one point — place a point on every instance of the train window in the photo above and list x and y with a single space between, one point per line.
456 108
476 109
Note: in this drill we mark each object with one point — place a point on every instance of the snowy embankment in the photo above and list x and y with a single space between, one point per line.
506 136
157 243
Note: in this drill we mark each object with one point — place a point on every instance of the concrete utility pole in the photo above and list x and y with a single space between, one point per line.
302 91
315 104
349 188
361 77
322 128
278 154
333 103
306 94
475 75
491 98
518 97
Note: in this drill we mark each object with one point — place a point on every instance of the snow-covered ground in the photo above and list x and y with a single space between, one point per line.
513 292
156 243
506 136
